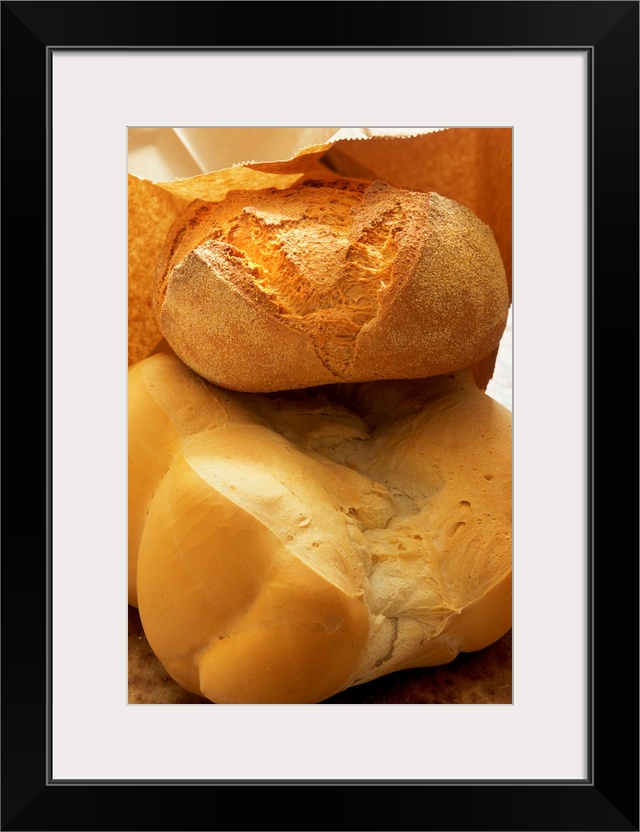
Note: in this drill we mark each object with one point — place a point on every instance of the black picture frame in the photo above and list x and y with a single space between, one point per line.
608 798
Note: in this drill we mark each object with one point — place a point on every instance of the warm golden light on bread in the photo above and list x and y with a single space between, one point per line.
329 281
285 547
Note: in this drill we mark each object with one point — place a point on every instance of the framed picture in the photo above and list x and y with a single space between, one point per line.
564 76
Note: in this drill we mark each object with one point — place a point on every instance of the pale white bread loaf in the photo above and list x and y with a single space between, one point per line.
329 281
483 677
286 547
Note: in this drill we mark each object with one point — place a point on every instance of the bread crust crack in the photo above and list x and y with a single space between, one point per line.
329 281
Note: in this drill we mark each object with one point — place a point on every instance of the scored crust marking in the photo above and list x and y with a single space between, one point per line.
327 282
322 262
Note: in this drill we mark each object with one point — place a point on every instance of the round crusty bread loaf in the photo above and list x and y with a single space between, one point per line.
284 548
329 281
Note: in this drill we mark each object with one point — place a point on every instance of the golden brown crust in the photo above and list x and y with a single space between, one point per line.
451 312
328 282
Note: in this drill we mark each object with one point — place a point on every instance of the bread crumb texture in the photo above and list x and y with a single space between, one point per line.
339 280
286 547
